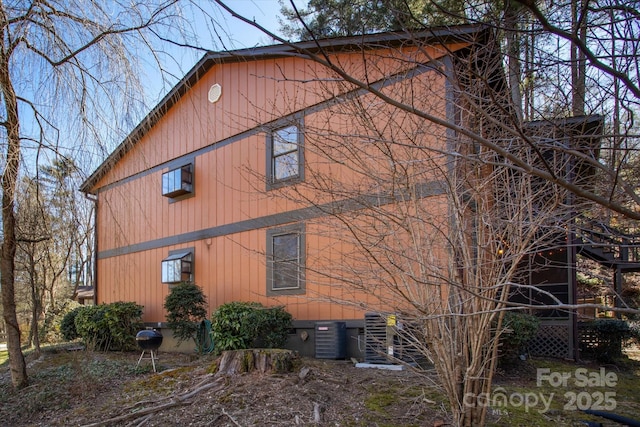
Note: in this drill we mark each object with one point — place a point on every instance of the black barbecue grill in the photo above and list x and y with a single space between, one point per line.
149 340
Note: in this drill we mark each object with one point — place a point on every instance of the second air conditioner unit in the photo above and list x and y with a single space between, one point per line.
385 340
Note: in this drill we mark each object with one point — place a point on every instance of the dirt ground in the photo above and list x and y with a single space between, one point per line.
79 388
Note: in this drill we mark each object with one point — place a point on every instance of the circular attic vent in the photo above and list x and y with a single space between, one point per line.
214 93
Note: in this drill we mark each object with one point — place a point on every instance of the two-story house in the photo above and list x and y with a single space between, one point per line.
247 176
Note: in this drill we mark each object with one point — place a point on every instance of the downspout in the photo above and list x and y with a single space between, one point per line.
94 255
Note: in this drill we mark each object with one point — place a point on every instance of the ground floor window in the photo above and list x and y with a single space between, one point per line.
286 260
178 267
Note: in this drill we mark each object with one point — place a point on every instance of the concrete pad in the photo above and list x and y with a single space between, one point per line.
380 366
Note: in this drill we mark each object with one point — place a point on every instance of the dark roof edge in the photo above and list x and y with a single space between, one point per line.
436 34
588 125
587 119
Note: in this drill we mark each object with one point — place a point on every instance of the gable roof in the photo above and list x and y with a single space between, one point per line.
471 33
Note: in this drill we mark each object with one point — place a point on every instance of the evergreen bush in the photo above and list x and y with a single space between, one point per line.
602 339
186 307
108 326
68 328
242 325
274 324
518 329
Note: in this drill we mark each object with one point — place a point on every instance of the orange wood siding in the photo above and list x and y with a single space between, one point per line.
230 185
253 93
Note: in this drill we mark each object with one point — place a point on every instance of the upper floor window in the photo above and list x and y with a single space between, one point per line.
178 182
285 156
286 260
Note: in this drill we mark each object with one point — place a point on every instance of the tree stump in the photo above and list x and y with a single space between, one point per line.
262 360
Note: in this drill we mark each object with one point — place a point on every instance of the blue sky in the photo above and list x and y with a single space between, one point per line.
220 32
226 33
264 12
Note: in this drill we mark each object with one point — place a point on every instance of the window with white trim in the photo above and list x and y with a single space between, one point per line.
286 260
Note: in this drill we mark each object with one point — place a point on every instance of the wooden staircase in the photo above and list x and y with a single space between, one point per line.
608 246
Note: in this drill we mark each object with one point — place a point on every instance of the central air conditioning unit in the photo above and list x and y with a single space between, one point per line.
384 341
331 340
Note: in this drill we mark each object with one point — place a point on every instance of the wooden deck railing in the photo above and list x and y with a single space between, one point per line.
621 245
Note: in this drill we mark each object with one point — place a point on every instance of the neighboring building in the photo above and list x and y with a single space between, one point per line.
207 187
84 295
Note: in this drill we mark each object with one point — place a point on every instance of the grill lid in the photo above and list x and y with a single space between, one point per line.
149 339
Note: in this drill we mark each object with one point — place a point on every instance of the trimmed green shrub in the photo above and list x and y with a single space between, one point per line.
233 326
518 329
109 326
91 327
274 325
241 325
186 307
602 339
68 325
124 320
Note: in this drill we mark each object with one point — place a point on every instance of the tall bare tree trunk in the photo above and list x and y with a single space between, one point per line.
17 363
36 306
578 59
513 55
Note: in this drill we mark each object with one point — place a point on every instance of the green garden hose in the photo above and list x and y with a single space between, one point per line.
204 338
